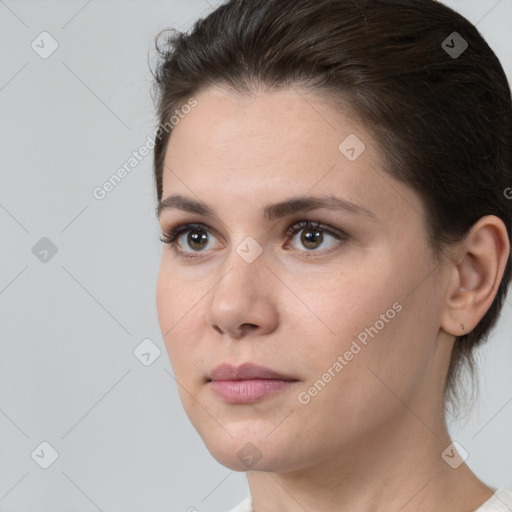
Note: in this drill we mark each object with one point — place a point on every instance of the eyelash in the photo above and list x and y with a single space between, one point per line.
170 237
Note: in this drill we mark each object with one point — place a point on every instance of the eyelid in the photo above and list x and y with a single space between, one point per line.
299 225
177 230
291 221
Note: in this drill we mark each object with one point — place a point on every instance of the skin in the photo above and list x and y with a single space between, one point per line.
372 438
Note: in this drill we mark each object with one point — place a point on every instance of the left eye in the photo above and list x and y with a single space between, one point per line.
313 234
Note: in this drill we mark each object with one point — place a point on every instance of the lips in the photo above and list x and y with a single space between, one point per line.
246 371
248 383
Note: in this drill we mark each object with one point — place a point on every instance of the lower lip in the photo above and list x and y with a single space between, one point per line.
247 391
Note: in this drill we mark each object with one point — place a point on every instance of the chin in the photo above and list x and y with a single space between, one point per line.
248 448
244 457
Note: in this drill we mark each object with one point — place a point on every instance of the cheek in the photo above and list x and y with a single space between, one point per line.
175 298
180 310
165 303
365 323
345 308
357 379
171 301
380 357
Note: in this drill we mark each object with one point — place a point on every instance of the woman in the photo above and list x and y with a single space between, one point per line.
333 181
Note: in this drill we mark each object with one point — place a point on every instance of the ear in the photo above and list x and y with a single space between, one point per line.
476 271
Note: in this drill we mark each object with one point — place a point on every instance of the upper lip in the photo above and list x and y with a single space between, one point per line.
245 371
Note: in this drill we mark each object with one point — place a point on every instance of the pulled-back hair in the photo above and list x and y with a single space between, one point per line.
442 119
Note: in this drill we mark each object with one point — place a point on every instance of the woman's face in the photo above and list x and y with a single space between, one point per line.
349 312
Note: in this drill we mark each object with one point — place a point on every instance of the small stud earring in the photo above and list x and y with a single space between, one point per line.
462 326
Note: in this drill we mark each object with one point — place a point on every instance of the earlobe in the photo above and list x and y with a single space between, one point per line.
477 272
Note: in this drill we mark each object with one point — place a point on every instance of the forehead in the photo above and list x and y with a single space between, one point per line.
268 145
263 127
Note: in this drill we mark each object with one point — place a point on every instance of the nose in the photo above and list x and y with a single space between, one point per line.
243 302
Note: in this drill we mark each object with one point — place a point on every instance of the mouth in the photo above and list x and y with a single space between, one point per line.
247 383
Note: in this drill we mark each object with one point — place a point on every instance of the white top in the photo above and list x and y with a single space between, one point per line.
500 501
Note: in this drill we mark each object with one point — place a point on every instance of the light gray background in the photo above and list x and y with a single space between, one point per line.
69 326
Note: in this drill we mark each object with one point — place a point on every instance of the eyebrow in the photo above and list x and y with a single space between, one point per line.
272 211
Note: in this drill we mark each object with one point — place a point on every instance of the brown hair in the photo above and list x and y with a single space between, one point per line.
442 120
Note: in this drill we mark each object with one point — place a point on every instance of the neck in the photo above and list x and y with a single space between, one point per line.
398 468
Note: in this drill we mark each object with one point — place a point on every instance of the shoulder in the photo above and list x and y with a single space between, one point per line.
500 501
244 506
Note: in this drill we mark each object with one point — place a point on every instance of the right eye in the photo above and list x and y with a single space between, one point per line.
197 238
